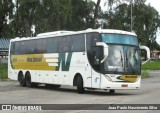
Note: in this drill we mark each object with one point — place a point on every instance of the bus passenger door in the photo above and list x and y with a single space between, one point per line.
88 74
95 79
96 67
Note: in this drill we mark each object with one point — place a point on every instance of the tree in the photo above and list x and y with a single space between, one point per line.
96 13
6 13
57 13
145 20
81 15
50 15
27 11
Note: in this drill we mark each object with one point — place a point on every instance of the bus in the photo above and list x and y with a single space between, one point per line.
90 59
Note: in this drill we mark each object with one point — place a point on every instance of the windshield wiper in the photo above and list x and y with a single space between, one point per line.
129 67
126 60
121 58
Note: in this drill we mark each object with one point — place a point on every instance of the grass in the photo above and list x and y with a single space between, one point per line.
144 74
151 65
3 71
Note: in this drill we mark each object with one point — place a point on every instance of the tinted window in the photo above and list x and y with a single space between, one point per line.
52 45
94 52
22 47
91 39
64 44
12 47
41 46
16 47
77 43
30 47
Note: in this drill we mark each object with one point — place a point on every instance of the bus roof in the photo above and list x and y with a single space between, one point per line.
63 33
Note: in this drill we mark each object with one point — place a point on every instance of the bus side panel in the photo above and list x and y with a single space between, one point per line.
12 74
80 65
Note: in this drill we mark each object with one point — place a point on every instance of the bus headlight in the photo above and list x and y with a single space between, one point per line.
108 78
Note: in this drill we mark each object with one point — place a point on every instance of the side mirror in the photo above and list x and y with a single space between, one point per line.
148 53
105 50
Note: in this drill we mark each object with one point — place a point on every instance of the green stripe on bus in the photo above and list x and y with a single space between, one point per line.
64 61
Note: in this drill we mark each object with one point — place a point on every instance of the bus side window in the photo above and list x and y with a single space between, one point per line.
43 49
51 45
41 46
78 43
91 39
12 47
17 48
22 47
64 44
30 47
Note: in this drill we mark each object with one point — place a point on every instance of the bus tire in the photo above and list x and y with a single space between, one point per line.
111 91
21 80
28 80
80 88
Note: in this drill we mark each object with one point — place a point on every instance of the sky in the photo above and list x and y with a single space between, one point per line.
156 5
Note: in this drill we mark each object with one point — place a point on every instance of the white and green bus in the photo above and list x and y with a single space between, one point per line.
89 59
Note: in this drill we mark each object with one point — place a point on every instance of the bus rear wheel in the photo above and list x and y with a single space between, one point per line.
80 88
29 83
21 80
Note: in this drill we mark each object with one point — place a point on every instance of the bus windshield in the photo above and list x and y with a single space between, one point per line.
123 55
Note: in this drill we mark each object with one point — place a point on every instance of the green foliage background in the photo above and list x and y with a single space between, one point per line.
17 18
3 71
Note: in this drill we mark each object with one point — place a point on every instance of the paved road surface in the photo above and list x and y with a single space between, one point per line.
12 93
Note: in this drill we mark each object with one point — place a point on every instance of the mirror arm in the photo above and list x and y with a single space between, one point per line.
105 49
148 53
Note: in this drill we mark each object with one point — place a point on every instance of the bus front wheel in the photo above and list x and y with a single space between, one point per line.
80 88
